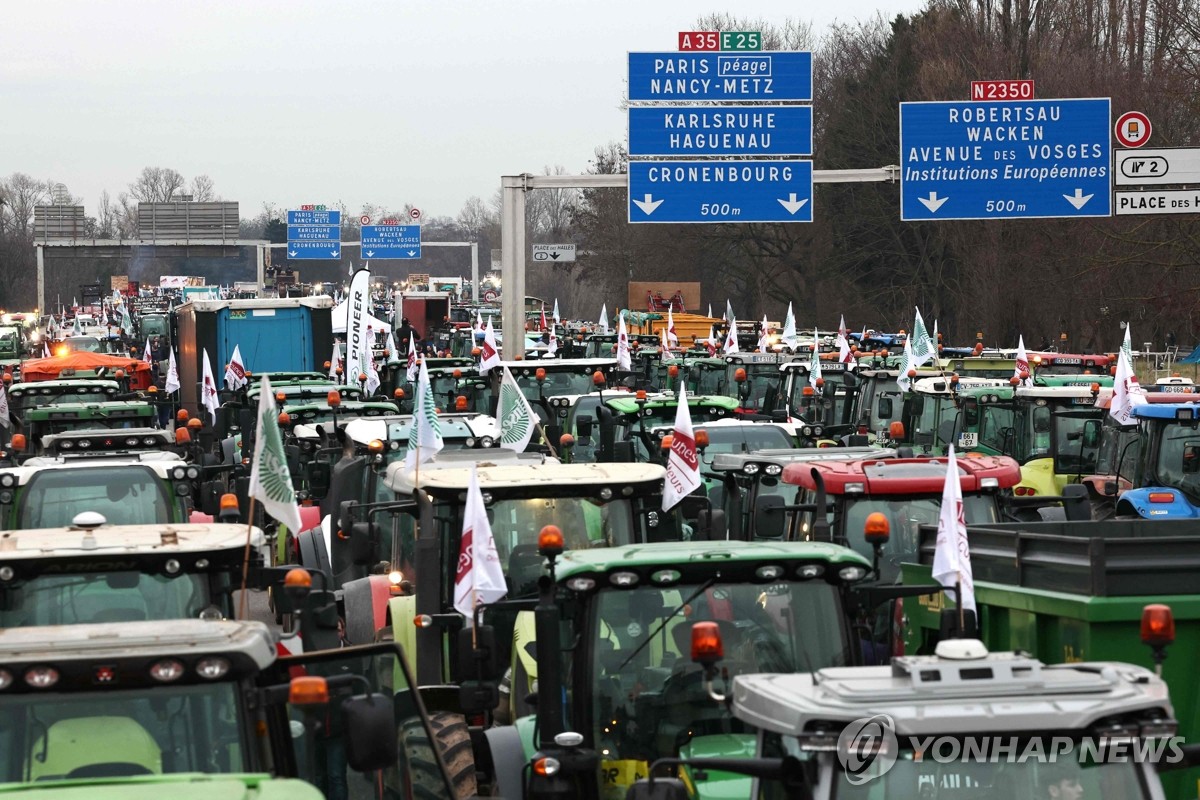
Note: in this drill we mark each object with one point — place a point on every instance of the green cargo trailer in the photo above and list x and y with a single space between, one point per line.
1067 592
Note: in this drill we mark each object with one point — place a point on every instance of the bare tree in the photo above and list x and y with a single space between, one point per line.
107 215
203 190
156 185
21 194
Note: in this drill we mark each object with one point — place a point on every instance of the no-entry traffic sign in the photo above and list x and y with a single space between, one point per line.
1133 129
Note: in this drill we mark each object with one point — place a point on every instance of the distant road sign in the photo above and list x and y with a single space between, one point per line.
769 76
391 241
304 217
558 253
1132 129
364 220
720 130
720 191
314 234
1157 167
1004 160
1175 201
415 213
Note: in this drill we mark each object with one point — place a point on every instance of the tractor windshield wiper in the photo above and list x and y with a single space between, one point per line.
650 637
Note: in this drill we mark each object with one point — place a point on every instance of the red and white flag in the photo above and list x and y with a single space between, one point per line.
478 578
845 356
489 354
172 383
624 357
952 555
1127 393
683 462
1022 365
235 371
208 389
731 345
672 337
542 323
411 372
147 356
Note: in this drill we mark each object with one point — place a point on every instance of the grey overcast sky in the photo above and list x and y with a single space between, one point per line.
322 101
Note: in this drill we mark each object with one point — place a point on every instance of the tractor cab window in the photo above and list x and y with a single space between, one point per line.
127 495
649 698
104 734
103 597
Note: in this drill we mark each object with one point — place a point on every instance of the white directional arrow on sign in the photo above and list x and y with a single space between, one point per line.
933 202
1079 199
648 205
333 253
370 253
412 253
292 253
792 204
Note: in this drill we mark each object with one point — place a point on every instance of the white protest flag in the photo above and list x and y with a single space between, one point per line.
814 365
789 335
514 415
922 347
147 356
552 345
902 380
372 373
952 556
1127 345
845 356
489 354
664 345
5 420
270 480
411 372
624 357
208 389
710 310
1127 394
425 433
728 311
478 578
172 383
393 357
731 343
557 318
478 326
1021 368
672 337
604 318
683 464
335 361
76 329
764 338
235 370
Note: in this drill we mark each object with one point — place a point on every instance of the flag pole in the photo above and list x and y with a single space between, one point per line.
958 596
246 558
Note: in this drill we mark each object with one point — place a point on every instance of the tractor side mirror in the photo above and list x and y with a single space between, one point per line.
583 426
369 725
363 538
769 517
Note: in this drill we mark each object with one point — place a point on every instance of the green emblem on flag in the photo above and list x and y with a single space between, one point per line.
273 474
514 423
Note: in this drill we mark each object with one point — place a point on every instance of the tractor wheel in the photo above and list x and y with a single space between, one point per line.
454 743
421 775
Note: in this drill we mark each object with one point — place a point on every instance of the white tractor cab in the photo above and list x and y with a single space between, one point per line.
92 572
201 709
540 380
742 478
102 471
961 723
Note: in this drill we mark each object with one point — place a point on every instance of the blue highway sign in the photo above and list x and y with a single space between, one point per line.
314 217
1005 160
776 76
720 131
720 191
391 241
314 250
